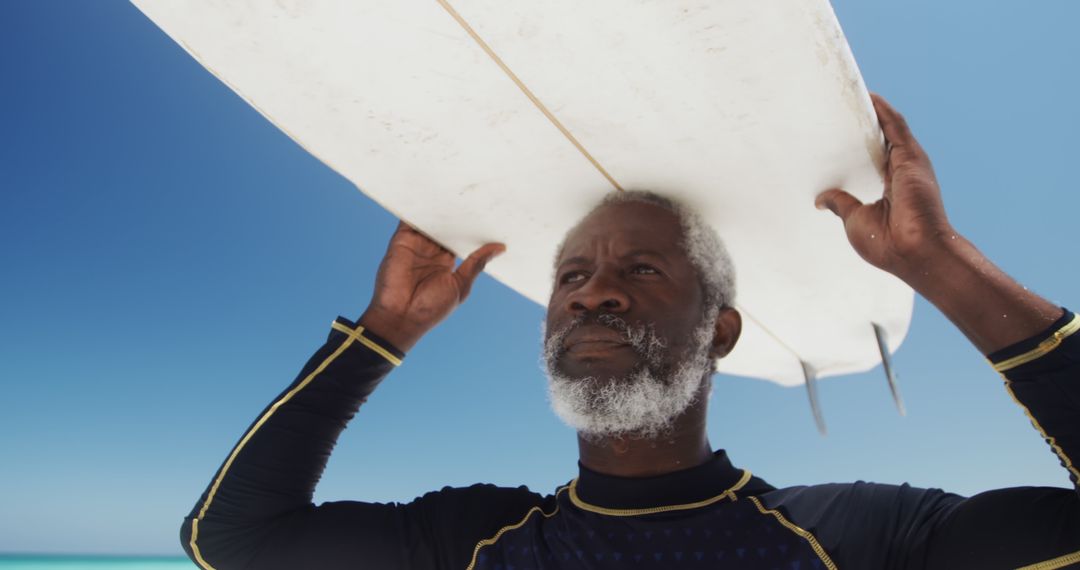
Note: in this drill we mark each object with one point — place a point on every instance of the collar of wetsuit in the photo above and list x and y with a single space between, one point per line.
700 483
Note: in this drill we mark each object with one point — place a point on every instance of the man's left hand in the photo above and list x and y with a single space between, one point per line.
900 231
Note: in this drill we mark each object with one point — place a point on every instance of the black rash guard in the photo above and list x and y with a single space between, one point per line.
257 512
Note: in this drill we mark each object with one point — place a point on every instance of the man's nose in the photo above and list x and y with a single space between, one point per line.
601 293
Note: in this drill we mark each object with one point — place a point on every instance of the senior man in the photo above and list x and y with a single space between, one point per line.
640 310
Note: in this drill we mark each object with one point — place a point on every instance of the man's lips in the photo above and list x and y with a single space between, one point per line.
593 339
595 346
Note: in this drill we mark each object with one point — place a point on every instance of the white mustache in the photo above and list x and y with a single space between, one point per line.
641 337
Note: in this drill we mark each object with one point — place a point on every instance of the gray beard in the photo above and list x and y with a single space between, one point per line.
643 404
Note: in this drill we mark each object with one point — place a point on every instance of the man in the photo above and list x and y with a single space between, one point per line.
640 309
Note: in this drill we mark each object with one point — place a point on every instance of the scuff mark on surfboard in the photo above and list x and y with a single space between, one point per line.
527 29
500 117
295 9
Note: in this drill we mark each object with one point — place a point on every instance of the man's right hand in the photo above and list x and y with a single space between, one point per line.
417 286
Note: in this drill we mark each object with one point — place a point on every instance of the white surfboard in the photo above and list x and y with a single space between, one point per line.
507 120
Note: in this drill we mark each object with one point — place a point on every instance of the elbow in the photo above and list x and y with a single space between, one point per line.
212 545
200 548
185 539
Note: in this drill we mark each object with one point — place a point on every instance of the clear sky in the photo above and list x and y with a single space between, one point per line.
169 260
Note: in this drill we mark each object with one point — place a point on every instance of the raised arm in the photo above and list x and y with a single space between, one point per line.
1029 340
257 511
907 233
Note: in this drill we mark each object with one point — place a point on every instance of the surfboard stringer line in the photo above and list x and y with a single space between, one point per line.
528 92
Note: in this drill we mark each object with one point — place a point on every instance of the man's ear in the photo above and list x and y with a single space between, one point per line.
728 329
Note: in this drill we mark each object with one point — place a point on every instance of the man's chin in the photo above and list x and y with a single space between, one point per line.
635 404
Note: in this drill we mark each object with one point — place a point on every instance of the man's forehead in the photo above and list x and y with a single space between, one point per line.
630 226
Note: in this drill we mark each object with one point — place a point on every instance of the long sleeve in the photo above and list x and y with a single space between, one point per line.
867 525
257 511
273 469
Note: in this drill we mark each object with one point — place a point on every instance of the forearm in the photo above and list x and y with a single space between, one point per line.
988 306
273 469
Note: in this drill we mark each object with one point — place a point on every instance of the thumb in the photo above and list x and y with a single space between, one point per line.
839 202
470 269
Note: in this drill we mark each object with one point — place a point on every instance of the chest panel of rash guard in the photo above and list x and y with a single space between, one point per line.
725 535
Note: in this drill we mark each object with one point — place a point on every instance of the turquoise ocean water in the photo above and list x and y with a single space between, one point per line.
39 562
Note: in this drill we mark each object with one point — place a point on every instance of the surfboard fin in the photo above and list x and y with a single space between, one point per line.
886 363
811 391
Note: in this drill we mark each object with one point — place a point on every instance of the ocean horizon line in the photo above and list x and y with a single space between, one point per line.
97 561
23 554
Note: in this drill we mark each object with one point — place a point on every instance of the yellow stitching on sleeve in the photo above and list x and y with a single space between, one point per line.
814 544
247 437
1049 439
1044 347
507 528
1059 562
358 336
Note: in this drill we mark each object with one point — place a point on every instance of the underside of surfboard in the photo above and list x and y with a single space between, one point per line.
485 120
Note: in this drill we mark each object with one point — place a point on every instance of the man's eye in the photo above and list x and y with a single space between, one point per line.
644 270
572 277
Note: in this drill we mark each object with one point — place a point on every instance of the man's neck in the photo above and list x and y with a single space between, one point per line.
686 446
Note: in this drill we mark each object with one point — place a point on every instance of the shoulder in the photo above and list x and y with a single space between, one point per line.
457 518
870 505
862 524
859 494
482 496
480 502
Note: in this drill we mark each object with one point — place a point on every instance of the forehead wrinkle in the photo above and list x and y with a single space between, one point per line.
636 252
640 238
579 259
642 252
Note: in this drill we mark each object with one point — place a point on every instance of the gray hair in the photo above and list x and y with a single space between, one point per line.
702 245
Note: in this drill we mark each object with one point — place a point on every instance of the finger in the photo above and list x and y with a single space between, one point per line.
396 237
419 242
895 127
401 233
839 202
403 227
470 269
406 229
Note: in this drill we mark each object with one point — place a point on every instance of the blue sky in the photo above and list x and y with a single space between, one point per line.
169 260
